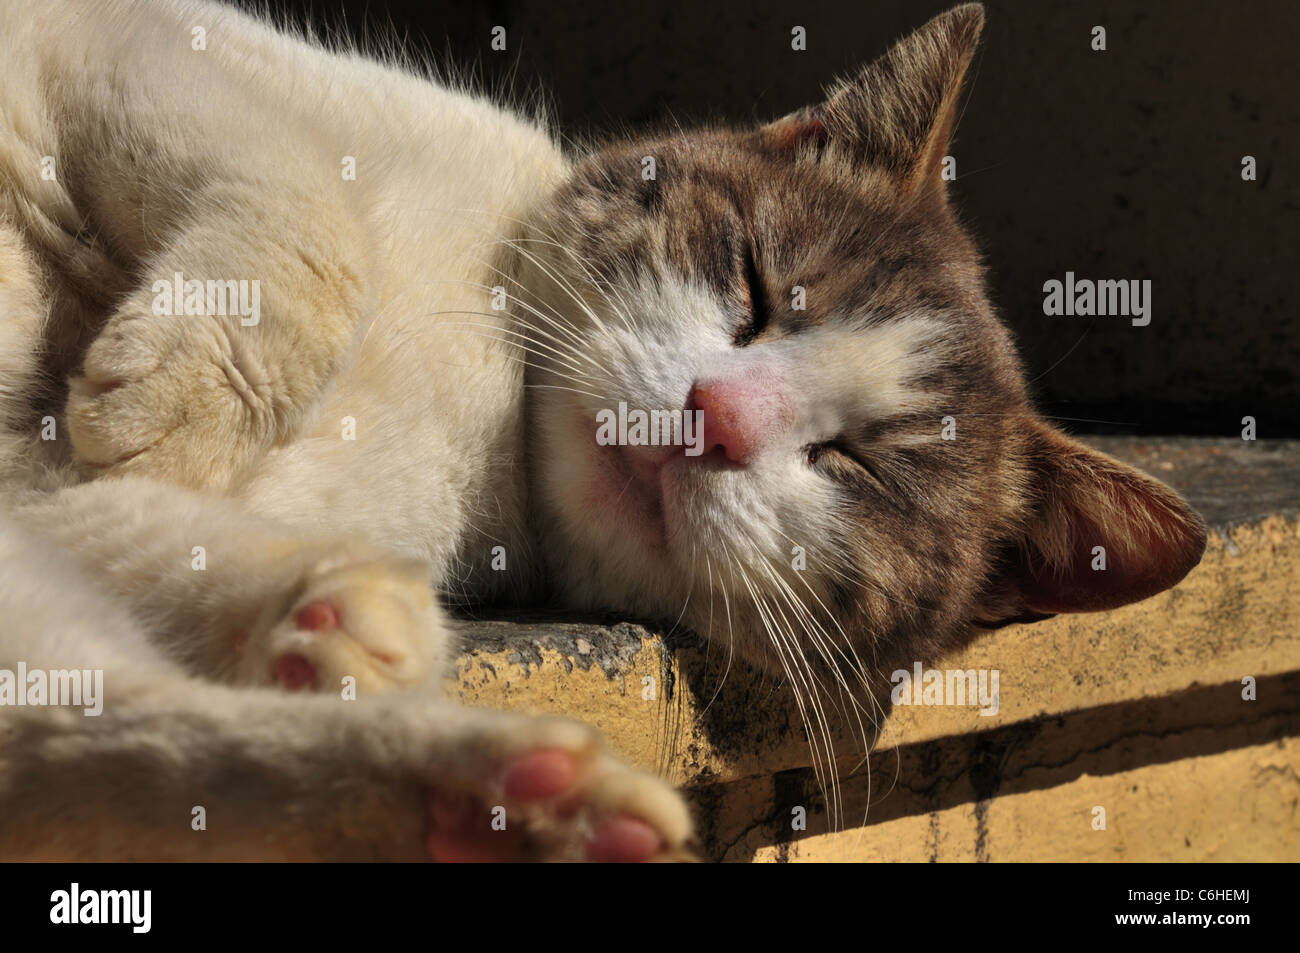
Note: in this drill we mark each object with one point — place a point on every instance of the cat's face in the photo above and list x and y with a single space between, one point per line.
870 478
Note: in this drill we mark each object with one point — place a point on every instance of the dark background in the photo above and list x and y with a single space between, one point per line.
1117 164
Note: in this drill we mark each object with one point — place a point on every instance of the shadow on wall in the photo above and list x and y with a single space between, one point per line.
975 768
1120 164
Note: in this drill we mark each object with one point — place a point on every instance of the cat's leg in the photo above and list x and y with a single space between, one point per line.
146 763
174 769
240 598
276 273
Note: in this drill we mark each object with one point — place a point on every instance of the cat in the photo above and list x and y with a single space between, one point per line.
235 512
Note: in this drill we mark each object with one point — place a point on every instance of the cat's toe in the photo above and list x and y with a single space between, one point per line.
112 420
541 774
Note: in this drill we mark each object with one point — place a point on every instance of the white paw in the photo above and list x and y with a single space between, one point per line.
373 624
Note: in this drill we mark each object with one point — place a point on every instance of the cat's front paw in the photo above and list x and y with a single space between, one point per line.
371 624
562 798
180 399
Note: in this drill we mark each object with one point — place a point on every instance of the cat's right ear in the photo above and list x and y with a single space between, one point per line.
898 113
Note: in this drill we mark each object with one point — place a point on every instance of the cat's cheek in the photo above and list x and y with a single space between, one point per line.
625 499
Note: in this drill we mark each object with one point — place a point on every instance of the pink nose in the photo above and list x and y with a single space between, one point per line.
740 415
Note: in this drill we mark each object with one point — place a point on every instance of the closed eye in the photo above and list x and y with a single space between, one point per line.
759 310
828 451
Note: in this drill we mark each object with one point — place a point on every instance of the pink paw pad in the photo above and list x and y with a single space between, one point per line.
624 840
294 673
541 774
317 617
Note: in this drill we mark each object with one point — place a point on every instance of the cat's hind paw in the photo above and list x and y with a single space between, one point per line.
562 804
371 625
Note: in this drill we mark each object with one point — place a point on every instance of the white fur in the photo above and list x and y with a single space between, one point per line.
226 163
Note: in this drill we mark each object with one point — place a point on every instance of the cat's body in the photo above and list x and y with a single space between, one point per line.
253 132
432 475
270 499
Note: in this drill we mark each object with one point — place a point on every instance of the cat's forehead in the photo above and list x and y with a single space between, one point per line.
724 179
696 205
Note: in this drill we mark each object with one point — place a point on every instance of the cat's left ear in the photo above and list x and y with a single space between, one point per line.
898 113
1099 534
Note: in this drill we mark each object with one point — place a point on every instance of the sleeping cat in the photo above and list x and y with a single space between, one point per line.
291 340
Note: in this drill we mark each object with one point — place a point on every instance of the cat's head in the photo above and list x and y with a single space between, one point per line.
873 480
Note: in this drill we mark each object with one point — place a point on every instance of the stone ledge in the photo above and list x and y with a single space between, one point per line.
1076 680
